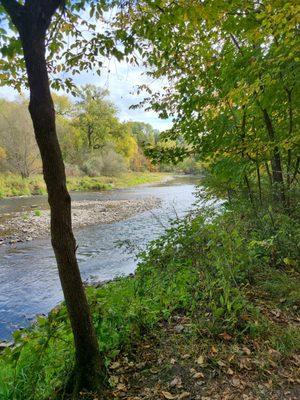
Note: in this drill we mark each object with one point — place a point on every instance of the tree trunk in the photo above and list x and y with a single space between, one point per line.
258 182
269 173
89 369
275 160
250 195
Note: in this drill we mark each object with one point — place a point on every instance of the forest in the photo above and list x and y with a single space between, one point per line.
212 310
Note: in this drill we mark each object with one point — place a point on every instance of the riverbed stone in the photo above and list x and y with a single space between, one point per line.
26 226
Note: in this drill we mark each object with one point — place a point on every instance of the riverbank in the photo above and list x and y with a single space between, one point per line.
12 185
29 225
212 313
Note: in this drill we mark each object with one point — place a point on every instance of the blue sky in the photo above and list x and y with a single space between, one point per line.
122 82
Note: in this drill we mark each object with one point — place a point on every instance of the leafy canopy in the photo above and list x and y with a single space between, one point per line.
80 38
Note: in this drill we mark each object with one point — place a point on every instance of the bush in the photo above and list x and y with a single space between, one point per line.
72 170
113 163
93 166
107 163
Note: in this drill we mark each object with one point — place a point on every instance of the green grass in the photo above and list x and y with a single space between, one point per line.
106 182
13 185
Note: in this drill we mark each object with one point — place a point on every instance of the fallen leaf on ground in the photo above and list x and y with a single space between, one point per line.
200 360
274 353
176 382
198 375
235 382
122 387
141 365
244 363
184 395
221 363
168 395
184 356
214 349
225 336
246 350
115 365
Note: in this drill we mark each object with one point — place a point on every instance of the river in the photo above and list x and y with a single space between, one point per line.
29 283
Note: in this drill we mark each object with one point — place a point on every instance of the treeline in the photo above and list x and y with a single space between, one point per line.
93 140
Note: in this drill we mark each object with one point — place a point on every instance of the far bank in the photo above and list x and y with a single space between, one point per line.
12 185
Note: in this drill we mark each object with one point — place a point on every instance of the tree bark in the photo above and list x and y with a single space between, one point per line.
276 159
32 21
258 182
289 152
250 195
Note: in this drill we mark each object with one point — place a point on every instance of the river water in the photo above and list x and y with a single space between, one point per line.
29 283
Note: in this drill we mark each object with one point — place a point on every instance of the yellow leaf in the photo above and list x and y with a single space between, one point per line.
200 360
214 349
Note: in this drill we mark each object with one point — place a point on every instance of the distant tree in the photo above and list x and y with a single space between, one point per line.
17 139
70 137
143 132
96 116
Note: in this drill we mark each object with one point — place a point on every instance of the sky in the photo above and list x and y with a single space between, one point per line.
122 82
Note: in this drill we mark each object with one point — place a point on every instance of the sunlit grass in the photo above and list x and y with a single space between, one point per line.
14 185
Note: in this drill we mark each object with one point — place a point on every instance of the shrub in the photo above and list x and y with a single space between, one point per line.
107 162
93 166
113 163
72 170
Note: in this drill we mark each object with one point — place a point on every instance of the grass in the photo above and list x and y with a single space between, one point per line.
212 303
13 185
105 183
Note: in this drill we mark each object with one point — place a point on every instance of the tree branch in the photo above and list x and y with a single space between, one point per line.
13 9
52 5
